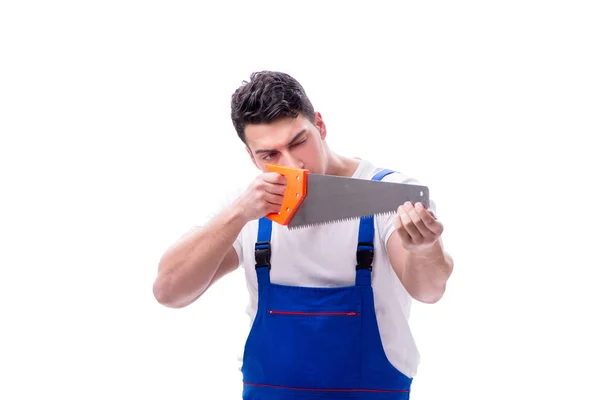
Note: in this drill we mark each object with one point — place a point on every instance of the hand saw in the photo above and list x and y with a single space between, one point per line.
315 199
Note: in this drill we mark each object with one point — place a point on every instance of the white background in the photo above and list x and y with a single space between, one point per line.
106 114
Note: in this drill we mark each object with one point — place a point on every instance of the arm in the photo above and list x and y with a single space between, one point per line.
198 259
417 254
205 254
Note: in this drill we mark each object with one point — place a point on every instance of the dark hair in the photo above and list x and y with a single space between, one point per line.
267 97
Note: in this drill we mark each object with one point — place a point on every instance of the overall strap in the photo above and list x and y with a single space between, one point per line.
262 251
365 249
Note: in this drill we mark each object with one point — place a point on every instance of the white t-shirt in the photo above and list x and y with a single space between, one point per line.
325 256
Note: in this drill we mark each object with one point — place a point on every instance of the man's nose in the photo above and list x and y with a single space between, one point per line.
292 161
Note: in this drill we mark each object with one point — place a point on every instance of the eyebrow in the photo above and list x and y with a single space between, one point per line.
289 144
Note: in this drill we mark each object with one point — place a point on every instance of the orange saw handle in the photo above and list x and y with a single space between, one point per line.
295 192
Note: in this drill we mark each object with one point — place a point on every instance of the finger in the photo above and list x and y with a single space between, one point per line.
275 189
401 229
274 199
409 225
429 219
275 178
417 221
272 208
270 182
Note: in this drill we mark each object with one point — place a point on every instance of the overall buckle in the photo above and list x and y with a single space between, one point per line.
364 256
262 254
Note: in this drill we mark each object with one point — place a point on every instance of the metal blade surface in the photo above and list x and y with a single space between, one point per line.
334 198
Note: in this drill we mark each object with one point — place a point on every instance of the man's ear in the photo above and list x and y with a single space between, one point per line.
252 157
320 125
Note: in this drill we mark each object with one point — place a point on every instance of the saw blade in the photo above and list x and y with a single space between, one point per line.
333 199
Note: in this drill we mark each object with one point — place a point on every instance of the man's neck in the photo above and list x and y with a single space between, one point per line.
341 166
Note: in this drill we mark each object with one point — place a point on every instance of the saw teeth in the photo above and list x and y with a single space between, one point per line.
320 223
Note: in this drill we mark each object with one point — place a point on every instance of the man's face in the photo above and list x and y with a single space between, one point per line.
291 142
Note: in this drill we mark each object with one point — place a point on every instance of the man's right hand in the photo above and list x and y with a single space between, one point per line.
263 196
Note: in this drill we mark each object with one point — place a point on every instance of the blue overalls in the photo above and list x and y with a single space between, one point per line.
318 343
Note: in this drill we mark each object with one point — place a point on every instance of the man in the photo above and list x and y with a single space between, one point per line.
328 321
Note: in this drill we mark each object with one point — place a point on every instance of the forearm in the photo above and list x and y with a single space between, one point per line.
426 272
187 268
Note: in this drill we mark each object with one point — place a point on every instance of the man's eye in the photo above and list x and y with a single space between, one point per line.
299 143
269 156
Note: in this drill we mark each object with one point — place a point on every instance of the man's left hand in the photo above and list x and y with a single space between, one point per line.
418 227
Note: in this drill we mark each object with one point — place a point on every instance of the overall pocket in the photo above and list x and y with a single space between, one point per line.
316 349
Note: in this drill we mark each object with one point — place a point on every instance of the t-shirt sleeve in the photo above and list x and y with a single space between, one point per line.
387 222
214 207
